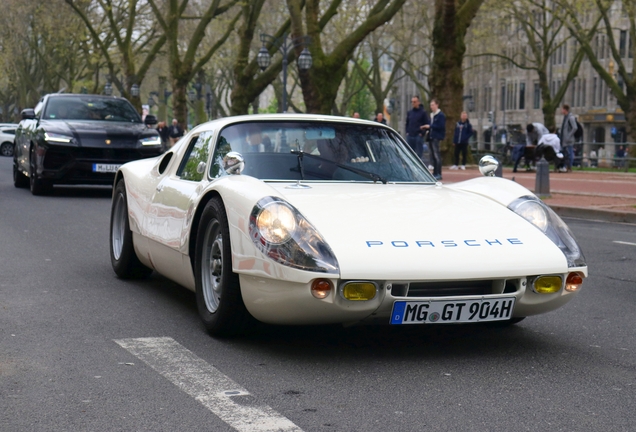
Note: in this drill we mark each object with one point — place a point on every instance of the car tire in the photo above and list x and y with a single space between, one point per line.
19 179
218 290
38 186
6 149
122 250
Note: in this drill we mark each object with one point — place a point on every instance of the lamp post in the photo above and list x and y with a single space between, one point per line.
284 45
503 109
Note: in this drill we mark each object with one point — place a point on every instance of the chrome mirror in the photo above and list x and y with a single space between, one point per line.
233 163
488 165
201 168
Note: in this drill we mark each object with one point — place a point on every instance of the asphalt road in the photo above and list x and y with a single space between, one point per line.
68 324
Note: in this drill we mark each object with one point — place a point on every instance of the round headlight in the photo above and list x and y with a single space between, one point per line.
534 213
276 223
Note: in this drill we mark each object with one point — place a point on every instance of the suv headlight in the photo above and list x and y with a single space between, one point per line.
545 219
283 234
150 141
58 138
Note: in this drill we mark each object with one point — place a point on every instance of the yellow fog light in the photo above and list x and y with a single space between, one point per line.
320 288
547 284
359 291
573 282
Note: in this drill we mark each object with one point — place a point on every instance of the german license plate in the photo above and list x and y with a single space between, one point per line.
453 311
105 168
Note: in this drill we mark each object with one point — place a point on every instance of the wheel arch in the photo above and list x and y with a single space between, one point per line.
192 241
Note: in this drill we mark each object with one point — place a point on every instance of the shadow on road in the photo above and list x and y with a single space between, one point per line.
83 191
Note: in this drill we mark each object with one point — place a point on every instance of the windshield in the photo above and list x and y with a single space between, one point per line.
303 150
90 108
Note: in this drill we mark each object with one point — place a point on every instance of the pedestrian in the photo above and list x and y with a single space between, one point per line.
164 133
175 132
437 134
463 132
416 118
356 114
380 118
534 132
551 139
568 129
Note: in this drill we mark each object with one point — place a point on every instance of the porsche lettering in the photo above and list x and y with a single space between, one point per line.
444 243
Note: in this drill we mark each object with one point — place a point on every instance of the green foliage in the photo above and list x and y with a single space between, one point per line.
272 108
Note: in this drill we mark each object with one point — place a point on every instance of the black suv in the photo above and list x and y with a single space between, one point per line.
79 139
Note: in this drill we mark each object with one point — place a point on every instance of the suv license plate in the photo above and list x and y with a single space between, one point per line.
455 311
105 168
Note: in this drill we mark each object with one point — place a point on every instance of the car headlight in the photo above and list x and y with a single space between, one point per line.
545 219
59 138
150 141
283 234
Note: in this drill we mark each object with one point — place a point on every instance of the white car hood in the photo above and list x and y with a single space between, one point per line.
422 232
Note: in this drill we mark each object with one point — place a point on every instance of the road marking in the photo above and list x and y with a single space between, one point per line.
625 243
206 384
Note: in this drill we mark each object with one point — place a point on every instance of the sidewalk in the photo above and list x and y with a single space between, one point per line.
606 196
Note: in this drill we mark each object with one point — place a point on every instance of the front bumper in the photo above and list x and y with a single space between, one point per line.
282 302
75 165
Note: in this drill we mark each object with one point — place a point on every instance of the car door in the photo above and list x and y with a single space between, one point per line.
172 208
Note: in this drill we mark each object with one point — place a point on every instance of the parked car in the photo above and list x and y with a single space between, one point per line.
308 219
7 135
79 139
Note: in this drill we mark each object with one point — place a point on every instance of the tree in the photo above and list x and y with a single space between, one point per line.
321 82
624 89
126 36
534 24
38 55
183 55
452 20
248 82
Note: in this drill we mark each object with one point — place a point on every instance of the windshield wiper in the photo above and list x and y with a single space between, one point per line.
367 174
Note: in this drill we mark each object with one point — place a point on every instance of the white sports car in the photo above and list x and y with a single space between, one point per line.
308 219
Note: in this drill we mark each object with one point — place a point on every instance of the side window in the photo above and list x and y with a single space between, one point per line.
38 109
191 168
223 147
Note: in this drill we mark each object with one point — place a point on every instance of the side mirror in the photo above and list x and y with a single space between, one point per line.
150 119
233 163
488 165
28 114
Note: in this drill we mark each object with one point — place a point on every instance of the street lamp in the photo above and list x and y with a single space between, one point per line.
134 90
108 89
284 45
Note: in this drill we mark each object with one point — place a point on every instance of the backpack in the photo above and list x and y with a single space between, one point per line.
578 133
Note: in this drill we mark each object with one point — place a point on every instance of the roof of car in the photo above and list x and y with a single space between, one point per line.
225 121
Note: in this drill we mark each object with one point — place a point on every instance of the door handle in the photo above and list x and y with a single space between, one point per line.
159 188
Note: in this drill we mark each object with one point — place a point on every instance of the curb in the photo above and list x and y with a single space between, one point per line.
594 214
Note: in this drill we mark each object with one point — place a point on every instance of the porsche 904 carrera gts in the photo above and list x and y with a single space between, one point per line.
307 219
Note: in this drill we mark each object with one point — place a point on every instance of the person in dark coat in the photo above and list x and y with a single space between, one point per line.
176 132
463 132
416 118
437 134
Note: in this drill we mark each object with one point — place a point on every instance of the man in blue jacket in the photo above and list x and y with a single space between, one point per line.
437 134
463 132
416 118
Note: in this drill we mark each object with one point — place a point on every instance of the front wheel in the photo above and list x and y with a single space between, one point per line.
19 179
218 291
122 251
38 186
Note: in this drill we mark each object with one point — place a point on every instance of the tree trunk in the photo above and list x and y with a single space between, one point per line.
452 19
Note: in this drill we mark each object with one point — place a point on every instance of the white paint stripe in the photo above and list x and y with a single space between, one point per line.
206 384
625 243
